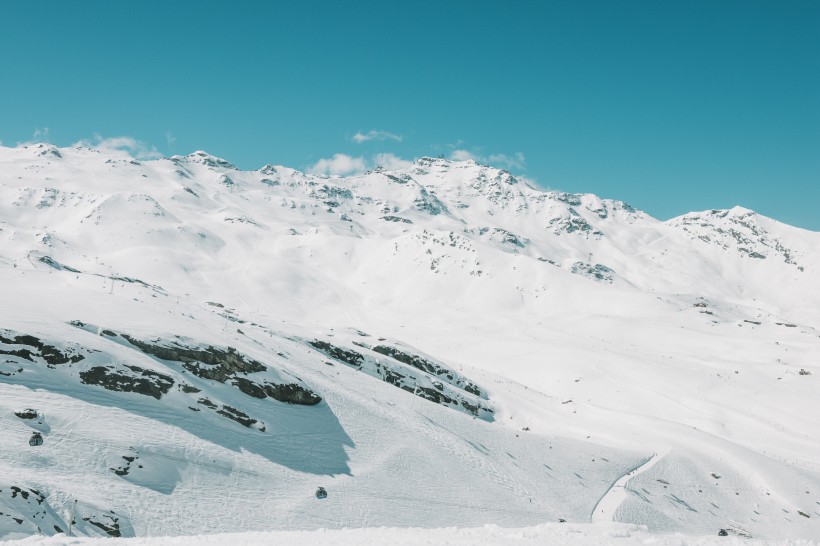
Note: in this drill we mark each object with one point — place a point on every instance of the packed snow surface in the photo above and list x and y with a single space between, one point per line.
585 534
187 348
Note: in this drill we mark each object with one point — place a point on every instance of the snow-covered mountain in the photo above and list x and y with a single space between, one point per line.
199 348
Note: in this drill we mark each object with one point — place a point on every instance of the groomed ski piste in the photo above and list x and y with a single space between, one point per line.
189 349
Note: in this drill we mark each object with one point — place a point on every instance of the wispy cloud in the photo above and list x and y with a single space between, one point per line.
516 161
391 162
346 165
339 164
40 135
170 138
133 147
374 134
462 155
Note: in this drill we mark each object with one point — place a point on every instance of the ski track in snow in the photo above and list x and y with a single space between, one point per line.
615 495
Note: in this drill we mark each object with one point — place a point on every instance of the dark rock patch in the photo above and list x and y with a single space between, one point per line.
136 380
237 415
347 356
108 524
125 468
424 365
422 380
54 264
225 366
49 353
397 219
598 272
26 414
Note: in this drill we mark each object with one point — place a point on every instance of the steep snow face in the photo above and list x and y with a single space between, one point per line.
442 345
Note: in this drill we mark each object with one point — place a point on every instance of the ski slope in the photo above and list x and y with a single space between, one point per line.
201 348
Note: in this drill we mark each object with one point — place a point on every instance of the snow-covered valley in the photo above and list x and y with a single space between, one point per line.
200 348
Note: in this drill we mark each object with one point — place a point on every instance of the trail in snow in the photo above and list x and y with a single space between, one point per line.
617 493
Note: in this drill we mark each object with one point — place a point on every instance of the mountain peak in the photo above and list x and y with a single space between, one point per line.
204 158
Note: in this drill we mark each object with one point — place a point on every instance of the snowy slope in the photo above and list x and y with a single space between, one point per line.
554 534
202 347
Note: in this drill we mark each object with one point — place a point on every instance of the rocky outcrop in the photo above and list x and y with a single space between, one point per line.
33 349
225 366
128 379
413 373
428 366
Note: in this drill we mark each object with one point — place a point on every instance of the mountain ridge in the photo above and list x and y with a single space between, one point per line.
472 340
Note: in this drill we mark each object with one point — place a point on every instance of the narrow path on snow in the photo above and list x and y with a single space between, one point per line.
617 493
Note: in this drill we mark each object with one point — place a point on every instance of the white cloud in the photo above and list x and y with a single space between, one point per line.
339 164
515 161
131 146
462 155
170 138
391 162
373 134
346 165
40 135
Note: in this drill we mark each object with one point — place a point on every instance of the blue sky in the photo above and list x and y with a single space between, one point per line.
671 106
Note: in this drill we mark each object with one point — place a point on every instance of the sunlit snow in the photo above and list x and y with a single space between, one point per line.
201 348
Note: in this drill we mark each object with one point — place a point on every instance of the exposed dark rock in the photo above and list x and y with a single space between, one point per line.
26 414
109 524
504 236
345 355
424 365
237 415
291 393
249 387
126 468
446 392
227 361
51 262
400 179
225 366
397 219
139 380
598 272
571 199
49 353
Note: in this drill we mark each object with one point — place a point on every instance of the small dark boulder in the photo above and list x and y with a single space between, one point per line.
26 414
